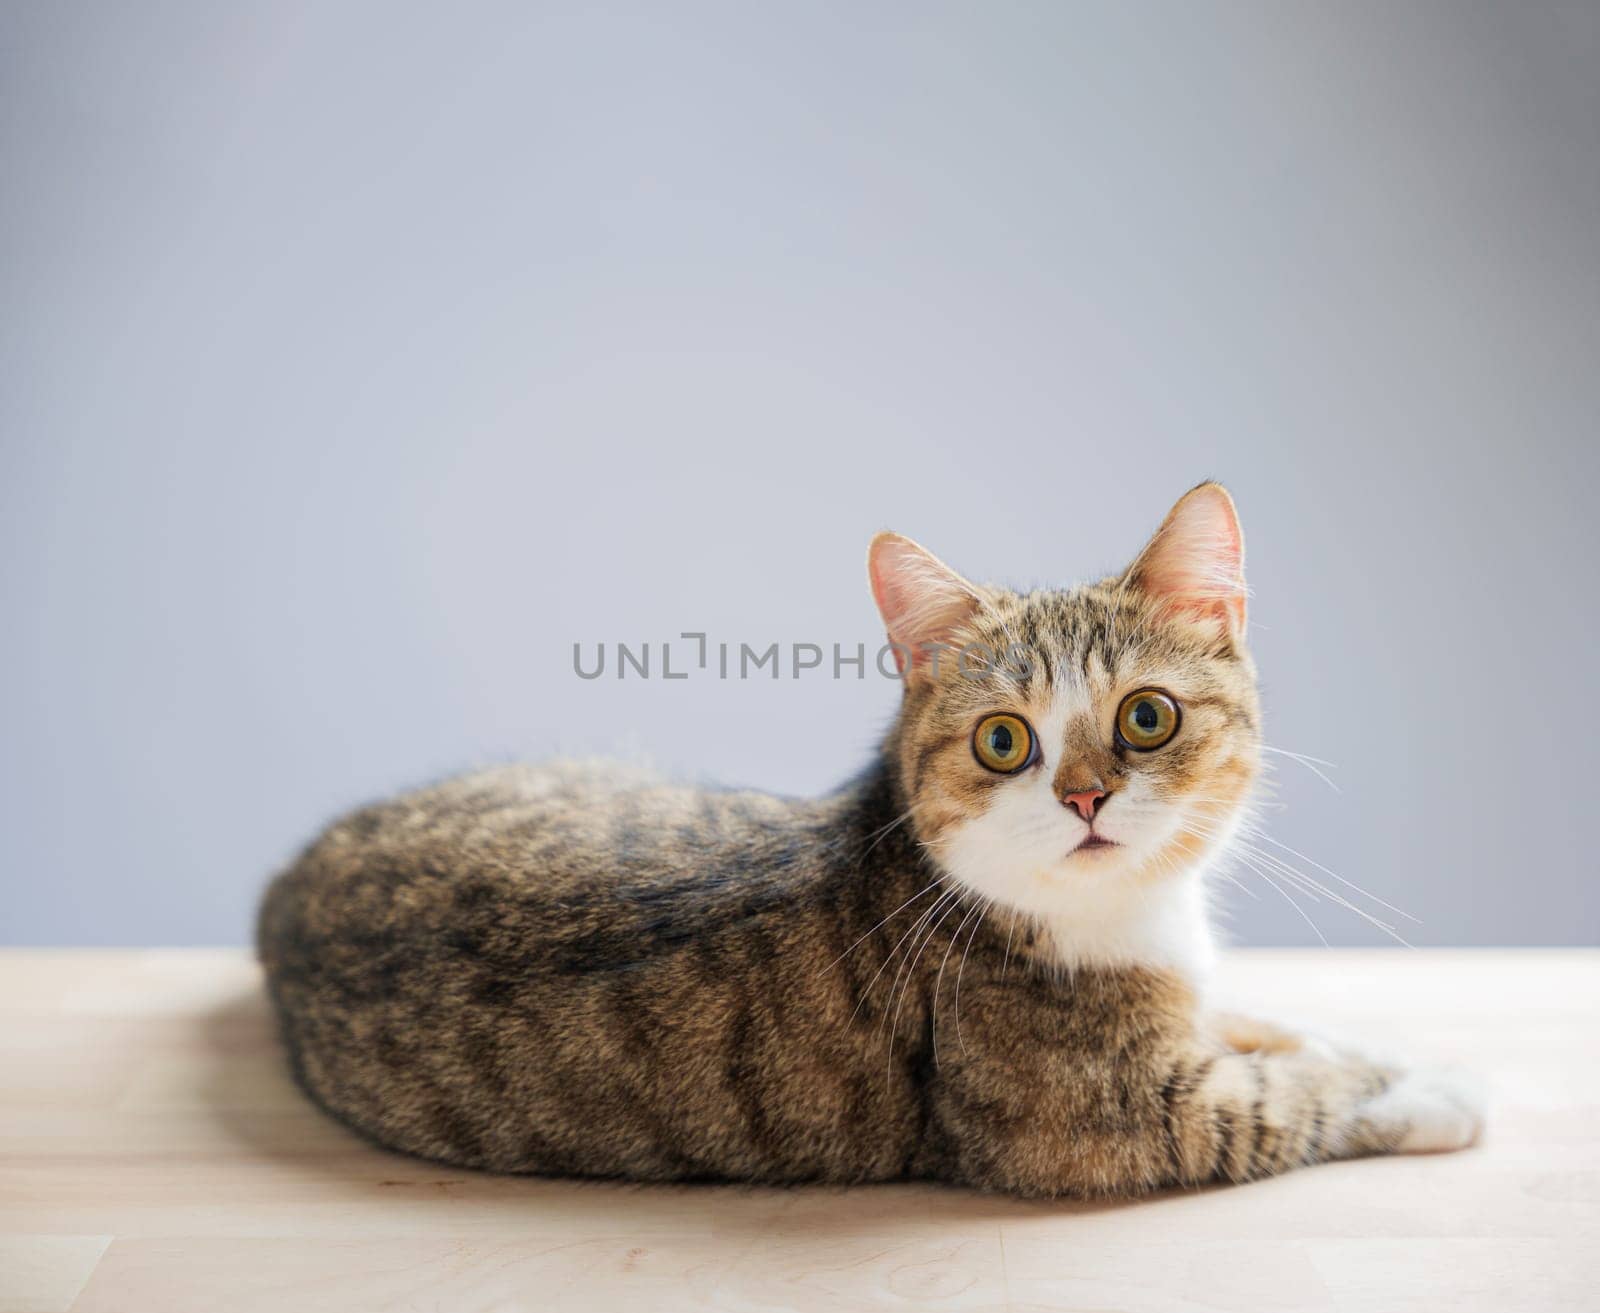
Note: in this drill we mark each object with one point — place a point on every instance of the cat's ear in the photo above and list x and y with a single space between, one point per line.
1195 562
921 599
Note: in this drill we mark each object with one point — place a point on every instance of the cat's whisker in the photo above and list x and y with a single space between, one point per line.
1311 883
910 974
1267 864
1313 888
1258 833
889 957
938 980
1269 873
885 831
1312 764
961 970
943 903
1215 868
1240 849
1312 891
857 944
1301 756
1302 911
1235 881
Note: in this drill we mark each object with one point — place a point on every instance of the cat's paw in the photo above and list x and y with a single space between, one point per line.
1430 1111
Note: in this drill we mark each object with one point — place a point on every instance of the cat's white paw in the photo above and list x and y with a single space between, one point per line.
1429 1111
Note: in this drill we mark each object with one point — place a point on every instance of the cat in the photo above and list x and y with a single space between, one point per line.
983 962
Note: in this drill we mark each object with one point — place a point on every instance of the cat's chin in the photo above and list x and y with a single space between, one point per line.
1095 846
1116 870
1100 866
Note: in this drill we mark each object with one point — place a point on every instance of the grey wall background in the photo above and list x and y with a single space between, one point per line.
357 359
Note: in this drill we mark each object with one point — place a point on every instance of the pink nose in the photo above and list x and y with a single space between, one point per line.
1087 802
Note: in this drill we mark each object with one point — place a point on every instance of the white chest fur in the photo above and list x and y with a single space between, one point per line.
1122 924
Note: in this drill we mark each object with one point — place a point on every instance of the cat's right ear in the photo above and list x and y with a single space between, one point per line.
921 599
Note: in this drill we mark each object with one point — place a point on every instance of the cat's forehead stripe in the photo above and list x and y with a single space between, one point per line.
1077 634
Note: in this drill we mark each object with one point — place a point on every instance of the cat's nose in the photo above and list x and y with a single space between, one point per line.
1087 801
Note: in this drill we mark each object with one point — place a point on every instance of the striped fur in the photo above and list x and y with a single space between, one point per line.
574 969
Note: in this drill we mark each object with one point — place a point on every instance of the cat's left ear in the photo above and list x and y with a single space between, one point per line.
1195 562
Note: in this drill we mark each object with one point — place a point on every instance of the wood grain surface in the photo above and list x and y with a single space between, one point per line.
155 1156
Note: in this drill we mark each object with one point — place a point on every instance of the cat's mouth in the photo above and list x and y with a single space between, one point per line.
1091 842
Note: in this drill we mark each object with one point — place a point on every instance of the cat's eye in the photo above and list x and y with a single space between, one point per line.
1147 719
1003 743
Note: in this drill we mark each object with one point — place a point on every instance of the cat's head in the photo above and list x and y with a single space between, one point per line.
1097 744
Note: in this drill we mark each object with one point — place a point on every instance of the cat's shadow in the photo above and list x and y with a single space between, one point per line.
288 1153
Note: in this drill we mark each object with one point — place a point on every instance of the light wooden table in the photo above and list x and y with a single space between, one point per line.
155 1156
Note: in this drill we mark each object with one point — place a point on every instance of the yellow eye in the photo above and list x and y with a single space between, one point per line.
1147 719
1003 743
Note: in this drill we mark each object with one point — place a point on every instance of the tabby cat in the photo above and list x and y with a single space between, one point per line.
982 962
